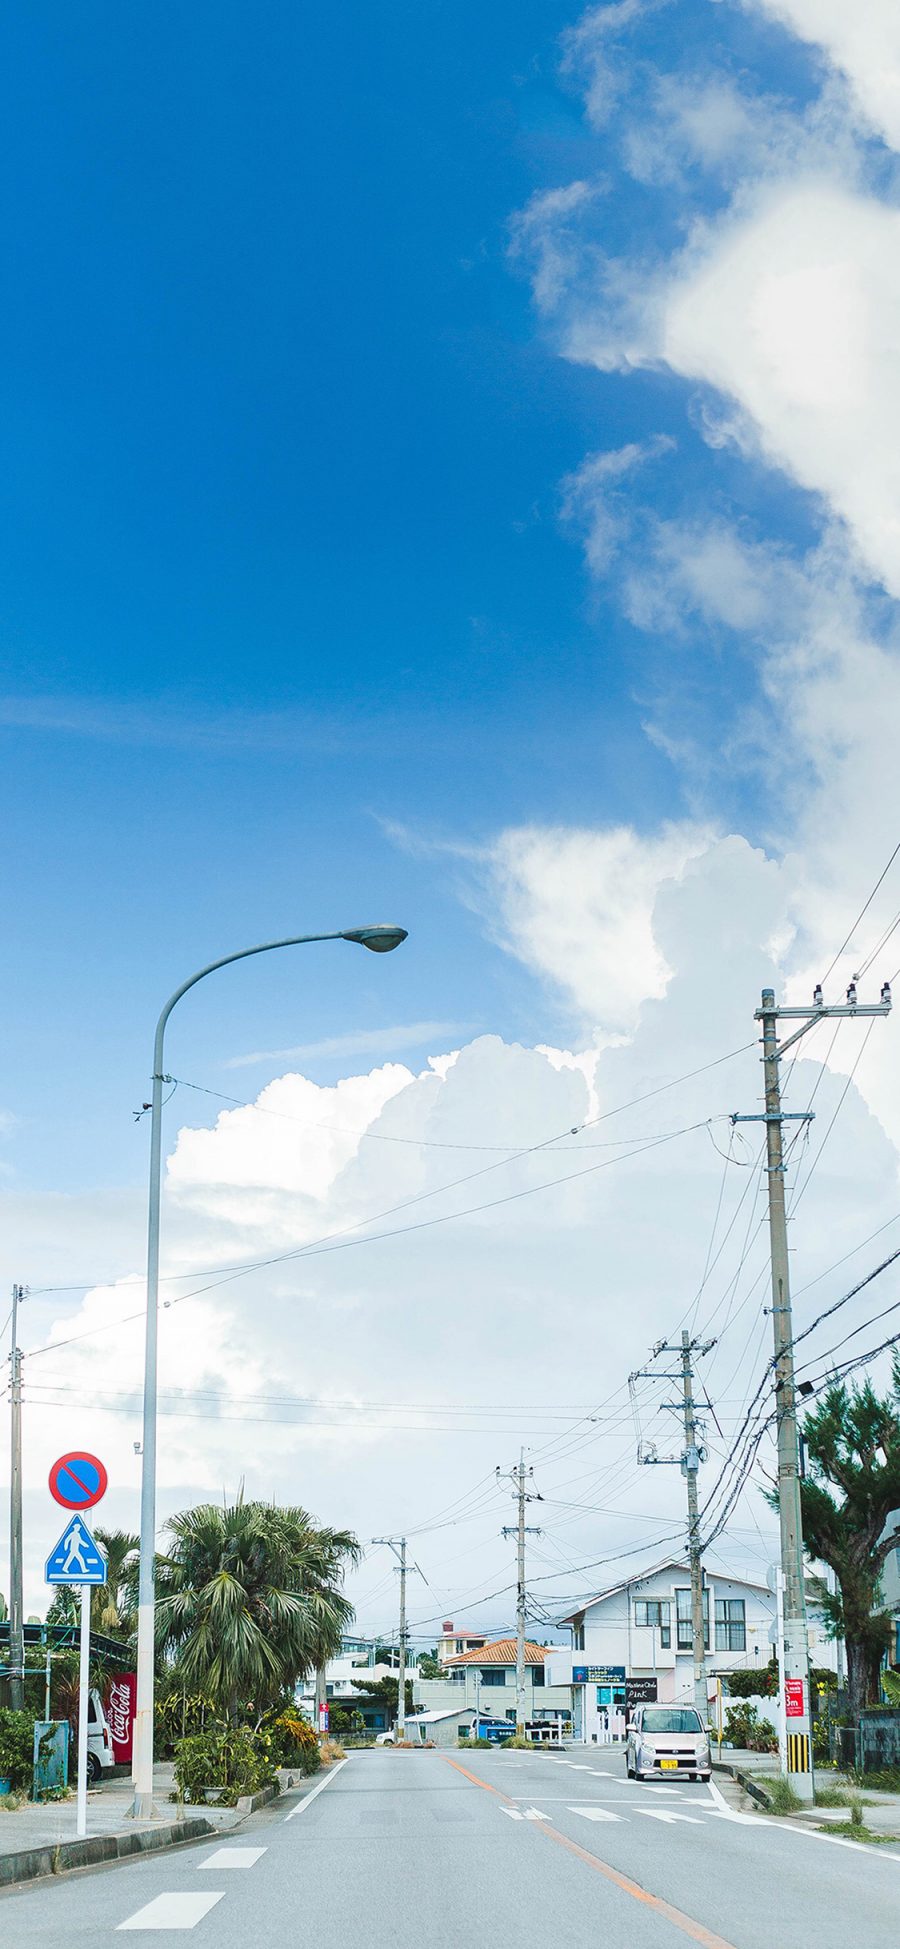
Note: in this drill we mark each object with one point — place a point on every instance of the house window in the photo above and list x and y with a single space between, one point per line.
578 1633
496 1675
685 1634
537 1674
654 1614
731 1628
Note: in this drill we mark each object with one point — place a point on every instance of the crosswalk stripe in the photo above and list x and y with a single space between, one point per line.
172 1912
233 1857
595 1813
665 1813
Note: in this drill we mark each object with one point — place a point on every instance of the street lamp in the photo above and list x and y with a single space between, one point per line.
380 940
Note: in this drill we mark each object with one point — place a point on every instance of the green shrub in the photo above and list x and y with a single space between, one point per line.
232 1763
744 1728
16 1747
294 1743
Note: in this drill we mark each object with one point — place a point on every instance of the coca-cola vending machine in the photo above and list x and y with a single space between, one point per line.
119 1706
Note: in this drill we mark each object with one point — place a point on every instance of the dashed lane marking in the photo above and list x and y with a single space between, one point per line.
233 1857
525 1813
695 1931
172 1912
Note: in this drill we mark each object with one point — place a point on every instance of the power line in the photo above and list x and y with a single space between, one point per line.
342 1243
862 912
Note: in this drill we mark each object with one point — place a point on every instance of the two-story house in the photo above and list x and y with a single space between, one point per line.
634 1642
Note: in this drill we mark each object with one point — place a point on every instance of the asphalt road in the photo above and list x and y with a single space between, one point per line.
401 1850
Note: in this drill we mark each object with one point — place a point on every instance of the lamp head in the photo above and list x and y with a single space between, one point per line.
380 939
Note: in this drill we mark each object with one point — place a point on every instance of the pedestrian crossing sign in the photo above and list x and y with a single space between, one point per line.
77 1559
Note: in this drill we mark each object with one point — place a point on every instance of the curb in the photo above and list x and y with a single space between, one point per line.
249 1803
746 1781
30 1864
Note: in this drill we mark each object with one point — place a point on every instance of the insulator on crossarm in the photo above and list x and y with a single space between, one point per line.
817 995
886 993
851 994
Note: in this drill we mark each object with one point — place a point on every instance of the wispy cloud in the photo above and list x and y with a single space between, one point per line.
361 1042
166 721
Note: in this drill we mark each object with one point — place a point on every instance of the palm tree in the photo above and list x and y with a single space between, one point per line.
249 1599
114 1604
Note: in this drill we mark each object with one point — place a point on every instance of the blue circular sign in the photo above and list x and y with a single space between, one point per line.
78 1480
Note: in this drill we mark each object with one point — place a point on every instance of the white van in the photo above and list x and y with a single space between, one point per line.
100 1747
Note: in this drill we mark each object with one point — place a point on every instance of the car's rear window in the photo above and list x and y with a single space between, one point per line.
671 1719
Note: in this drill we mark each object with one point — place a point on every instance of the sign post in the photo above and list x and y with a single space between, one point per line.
77 1481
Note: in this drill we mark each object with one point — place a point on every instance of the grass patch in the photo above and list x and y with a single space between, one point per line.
852 1830
842 1797
782 1798
887 1780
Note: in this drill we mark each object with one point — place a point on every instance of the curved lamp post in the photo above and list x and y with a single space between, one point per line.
380 940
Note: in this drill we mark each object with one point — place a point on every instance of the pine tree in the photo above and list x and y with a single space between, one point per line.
852 1487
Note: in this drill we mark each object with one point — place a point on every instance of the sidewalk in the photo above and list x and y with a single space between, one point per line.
881 1811
40 1839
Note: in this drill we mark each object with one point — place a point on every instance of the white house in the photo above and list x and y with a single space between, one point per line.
890 1579
634 1641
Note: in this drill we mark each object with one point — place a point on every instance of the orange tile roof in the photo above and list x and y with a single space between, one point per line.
501 1652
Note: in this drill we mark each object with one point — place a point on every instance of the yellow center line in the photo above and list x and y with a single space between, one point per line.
686 1923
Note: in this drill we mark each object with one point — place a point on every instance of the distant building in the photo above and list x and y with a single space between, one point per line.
484 1679
453 1643
634 1642
890 1579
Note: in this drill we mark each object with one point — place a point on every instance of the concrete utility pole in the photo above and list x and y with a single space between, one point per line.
689 1461
16 1609
518 1477
398 1545
795 1702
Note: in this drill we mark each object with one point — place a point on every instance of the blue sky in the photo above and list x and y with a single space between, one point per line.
449 476
280 553
281 549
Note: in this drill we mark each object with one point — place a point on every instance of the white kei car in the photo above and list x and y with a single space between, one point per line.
665 1740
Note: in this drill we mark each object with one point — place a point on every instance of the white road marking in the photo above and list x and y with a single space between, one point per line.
318 1788
578 1766
831 1840
722 1810
233 1857
172 1912
676 1790
664 1813
595 1813
525 1813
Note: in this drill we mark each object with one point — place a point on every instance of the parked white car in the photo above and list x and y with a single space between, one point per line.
664 1740
100 1747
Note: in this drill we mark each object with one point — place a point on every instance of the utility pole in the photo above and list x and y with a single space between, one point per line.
795 1702
518 1477
689 1461
398 1545
16 1607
